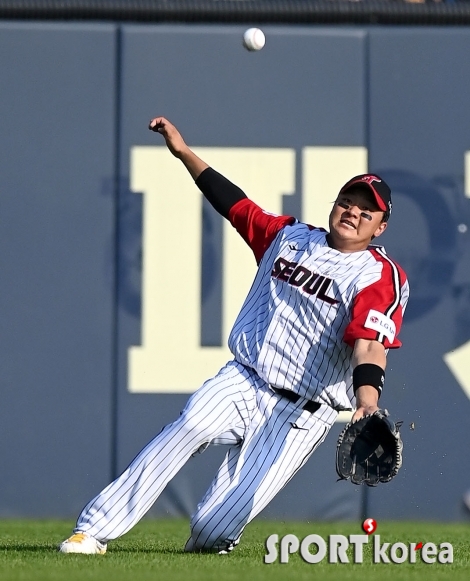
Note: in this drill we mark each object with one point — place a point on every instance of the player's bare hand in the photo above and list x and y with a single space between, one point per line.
364 411
172 136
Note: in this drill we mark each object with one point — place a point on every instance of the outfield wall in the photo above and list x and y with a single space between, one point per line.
100 227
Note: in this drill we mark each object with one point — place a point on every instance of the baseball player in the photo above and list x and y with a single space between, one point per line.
311 339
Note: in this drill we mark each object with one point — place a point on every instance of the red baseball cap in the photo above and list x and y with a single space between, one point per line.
376 185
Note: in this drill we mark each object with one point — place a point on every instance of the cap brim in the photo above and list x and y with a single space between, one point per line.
380 203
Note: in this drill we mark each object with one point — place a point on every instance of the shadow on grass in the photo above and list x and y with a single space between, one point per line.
150 550
41 548
113 550
20 547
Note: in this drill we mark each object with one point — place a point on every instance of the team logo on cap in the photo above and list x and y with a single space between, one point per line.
370 179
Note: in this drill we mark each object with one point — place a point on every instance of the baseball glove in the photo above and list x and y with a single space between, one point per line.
369 450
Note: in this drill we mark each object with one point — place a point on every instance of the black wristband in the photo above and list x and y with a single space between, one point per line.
220 191
368 374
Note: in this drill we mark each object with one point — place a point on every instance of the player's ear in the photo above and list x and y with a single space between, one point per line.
381 229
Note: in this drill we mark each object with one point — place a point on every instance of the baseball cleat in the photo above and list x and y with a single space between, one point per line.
191 548
82 543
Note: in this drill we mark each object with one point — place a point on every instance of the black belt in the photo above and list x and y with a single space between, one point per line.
309 406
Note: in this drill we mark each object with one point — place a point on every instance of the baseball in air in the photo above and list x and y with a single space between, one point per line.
254 39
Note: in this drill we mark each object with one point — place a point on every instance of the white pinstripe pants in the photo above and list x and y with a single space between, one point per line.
271 438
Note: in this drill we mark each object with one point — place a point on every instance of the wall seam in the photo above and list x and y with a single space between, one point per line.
116 193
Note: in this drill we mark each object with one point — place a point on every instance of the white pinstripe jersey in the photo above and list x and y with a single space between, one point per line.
308 305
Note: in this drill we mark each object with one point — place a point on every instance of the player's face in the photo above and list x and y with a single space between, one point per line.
354 220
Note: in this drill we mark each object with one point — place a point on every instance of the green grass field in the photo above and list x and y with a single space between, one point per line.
153 550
